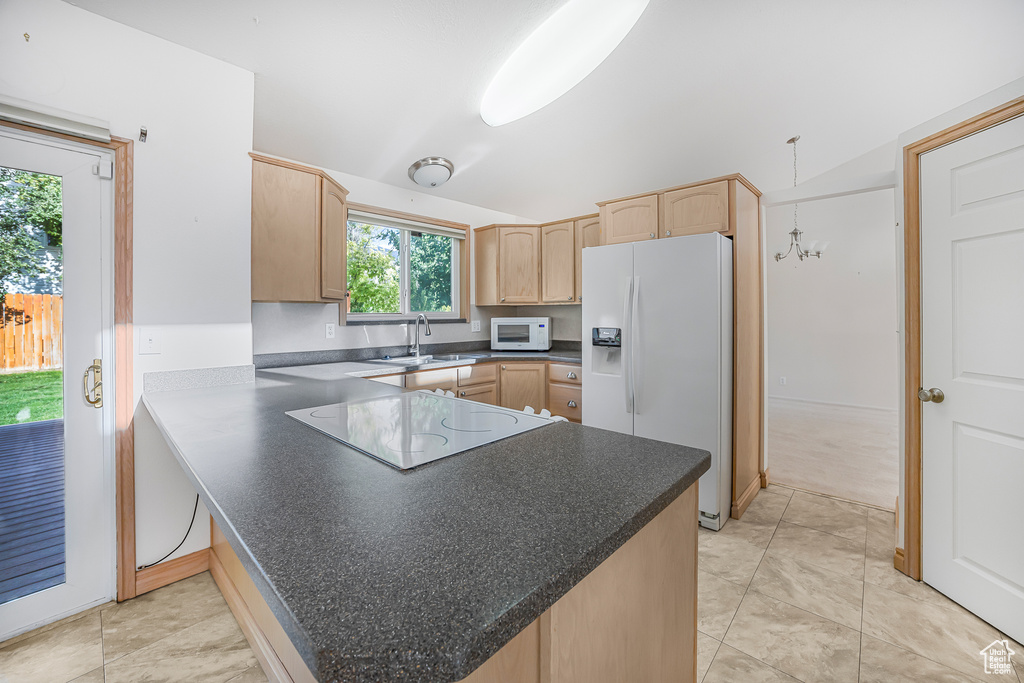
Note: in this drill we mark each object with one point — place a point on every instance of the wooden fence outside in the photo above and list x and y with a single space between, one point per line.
31 333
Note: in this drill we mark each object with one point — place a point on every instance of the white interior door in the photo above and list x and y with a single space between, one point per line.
972 283
88 576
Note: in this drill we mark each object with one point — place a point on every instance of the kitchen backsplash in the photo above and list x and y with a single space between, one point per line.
288 327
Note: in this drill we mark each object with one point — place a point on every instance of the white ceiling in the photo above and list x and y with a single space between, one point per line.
697 89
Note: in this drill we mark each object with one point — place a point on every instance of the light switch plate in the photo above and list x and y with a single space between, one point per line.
149 342
475 326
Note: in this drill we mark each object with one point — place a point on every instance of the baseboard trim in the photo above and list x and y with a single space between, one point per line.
739 506
832 404
765 479
271 664
166 573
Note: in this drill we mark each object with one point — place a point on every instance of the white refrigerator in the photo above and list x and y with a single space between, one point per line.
657 350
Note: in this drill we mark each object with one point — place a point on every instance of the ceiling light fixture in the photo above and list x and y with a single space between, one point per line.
560 53
811 249
431 171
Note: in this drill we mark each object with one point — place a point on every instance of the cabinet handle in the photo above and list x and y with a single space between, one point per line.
652 235
580 297
572 404
570 298
502 367
571 375
668 233
462 393
502 298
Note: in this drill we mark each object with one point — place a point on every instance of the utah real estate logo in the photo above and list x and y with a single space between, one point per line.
997 658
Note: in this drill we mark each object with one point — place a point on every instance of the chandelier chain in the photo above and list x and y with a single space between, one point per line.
797 205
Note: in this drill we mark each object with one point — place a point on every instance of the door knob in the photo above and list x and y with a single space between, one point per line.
934 395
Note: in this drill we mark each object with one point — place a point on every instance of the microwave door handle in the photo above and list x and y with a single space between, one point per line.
635 359
627 364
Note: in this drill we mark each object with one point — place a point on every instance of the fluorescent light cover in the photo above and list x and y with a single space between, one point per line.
558 55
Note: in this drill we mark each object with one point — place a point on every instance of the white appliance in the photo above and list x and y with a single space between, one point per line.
520 334
657 350
413 428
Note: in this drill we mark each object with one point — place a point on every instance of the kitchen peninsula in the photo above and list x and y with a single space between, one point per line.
566 553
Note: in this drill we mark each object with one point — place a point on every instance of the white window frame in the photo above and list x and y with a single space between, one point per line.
406 228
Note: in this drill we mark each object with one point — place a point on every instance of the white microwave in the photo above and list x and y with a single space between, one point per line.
520 334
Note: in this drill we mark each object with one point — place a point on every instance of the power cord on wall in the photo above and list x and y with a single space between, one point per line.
194 509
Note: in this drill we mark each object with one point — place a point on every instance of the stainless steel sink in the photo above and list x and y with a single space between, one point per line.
406 360
458 356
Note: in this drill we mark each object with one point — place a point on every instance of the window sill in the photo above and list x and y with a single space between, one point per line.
401 321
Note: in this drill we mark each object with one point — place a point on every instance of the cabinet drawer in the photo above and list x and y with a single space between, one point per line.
482 393
565 373
480 373
566 401
444 378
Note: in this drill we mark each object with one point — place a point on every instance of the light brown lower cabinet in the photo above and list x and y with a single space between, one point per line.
481 393
523 384
445 378
566 400
633 618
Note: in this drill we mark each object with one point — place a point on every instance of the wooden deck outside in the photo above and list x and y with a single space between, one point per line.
31 508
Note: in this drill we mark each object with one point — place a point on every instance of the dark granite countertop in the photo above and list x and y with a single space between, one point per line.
422 575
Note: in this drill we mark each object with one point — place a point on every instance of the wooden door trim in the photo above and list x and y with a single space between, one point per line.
908 558
124 397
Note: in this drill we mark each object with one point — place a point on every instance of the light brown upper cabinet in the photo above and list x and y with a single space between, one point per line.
558 281
507 265
695 210
630 220
588 234
519 265
299 233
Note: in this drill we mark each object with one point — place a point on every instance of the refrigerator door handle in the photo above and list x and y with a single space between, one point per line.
627 356
634 342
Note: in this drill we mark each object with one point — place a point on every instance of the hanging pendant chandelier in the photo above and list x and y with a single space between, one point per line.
802 252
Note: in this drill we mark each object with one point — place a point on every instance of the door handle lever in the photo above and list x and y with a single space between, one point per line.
94 394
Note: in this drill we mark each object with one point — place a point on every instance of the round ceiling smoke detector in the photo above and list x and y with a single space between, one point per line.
431 171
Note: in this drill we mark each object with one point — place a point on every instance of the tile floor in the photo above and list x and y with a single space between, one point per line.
851 453
801 589
182 632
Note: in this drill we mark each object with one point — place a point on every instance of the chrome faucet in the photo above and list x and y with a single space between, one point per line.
416 347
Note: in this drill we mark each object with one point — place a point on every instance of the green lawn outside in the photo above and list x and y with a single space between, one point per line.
31 396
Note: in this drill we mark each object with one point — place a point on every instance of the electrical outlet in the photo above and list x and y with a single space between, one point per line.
475 326
782 380
330 330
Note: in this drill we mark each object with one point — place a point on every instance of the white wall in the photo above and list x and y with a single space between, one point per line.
191 206
285 327
832 322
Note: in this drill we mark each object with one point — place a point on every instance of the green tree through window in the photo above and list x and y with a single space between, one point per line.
376 276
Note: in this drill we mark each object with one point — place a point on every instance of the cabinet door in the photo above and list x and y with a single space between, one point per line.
695 210
445 378
333 243
588 234
285 234
630 220
557 260
478 373
482 393
486 247
523 384
519 267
